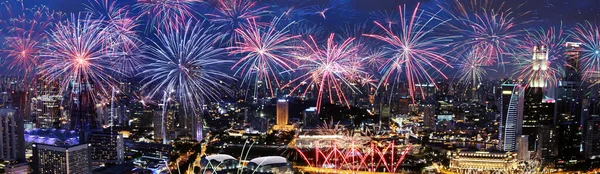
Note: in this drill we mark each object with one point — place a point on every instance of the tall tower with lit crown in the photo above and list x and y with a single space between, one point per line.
540 65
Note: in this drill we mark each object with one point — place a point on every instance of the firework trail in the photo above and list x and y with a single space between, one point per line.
332 7
368 49
539 59
305 28
385 17
375 58
289 10
588 35
122 24
471 69
234 14
266 53
165 13
76 55
331 68
187 63
24 33
486 25
414 51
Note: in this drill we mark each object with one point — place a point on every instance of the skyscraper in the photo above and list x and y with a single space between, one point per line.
592 137
523 148
49 159
47 111
546 140
511 116
569 97
282 115
12 143
282 112
106 147
311 118
532 110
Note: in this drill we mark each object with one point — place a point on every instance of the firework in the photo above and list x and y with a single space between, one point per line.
330 8
289 10
588 35
305 28
265 51
487 26
374 58
414 51
77 57
331 68
539 58
165 13
121 24
186 62
368 49
385 17
233 14
24 33
471 69
368 81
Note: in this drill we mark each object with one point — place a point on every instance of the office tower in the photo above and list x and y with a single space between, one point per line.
546 139
532 110
511 116
83 116
569 98
12 143
168 124
429 117
282 115
523 148
282 112
106 147
311 118
141 117
50 159
46 110
592 137
534 94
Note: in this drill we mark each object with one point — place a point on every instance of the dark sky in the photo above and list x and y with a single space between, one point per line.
567 10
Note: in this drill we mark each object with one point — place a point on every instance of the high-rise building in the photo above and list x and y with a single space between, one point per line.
569 98
534 94
282 112
82 115
523 148
282 115
12 142
592 137
168 124
429 116
49 159
46 110
106 147
141 117
546 138
532 110
311 118
511 116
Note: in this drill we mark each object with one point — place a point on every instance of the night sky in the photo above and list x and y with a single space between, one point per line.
545 11
540 13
